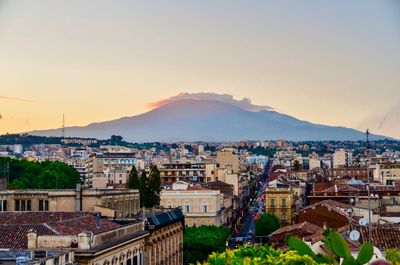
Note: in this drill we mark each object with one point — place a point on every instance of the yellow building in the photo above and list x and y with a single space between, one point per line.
279 201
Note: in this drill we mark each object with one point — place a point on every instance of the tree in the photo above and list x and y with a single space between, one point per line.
201 241
267 224
40 175
154 186
296 165
143 189
133 180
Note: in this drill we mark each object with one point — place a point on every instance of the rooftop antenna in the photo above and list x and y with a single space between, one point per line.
368 186
367 135
63 127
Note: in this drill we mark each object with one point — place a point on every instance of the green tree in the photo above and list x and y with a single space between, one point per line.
133 180
296 165
154 186
267 224
40 175
143 189
199 242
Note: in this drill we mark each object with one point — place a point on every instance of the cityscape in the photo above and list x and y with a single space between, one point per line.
199 132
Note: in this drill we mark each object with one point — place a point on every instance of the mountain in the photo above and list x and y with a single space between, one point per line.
194 119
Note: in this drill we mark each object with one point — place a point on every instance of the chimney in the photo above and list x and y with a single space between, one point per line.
98 220
78 197
84 240
32 239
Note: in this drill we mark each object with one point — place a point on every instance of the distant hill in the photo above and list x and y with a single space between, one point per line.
194 119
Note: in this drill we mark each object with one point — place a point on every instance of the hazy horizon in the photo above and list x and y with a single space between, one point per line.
333 63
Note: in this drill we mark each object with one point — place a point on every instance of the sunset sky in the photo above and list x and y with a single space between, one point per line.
328 62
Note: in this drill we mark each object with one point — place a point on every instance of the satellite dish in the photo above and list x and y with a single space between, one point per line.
362 222
354 235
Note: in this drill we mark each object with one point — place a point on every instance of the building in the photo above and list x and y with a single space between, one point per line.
118 203
326 214
260 160
279 202
352 172
229 160
97 164
304 230
164 244
112 177
387 173
200 206
28 257
342 158
93 240
314 163
189 172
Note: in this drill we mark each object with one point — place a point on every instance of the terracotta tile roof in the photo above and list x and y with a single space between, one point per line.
340 188
329 203
302 230
14 226
321 186
383 236
15 236
37 217
331 213
84 223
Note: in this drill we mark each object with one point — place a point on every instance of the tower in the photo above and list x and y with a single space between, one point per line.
63 127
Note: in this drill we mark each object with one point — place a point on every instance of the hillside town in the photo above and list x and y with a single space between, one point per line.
350 187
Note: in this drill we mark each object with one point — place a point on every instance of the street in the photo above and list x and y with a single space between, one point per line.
249 227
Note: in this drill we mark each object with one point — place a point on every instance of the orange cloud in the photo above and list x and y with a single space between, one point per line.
16 99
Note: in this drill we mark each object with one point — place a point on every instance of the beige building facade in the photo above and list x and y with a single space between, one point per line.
118 203
387 173
199 205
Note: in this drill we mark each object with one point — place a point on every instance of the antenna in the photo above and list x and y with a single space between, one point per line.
368 187
63 127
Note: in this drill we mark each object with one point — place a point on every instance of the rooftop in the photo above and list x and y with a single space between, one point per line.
14 226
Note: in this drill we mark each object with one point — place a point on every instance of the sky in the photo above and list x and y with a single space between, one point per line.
327 62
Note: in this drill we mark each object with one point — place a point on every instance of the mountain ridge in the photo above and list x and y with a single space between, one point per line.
208 120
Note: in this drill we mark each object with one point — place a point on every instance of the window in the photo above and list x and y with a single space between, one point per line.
187 208
23 205
272 202
283 217
205 206
43 205
283 202
135 260
3 205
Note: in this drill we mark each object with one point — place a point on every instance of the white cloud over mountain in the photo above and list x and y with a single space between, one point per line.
245 103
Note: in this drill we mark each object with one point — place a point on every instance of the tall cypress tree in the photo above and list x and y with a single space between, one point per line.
143 189
133 181
154 186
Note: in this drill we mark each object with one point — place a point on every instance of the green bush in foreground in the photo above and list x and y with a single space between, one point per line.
258 255
393 255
